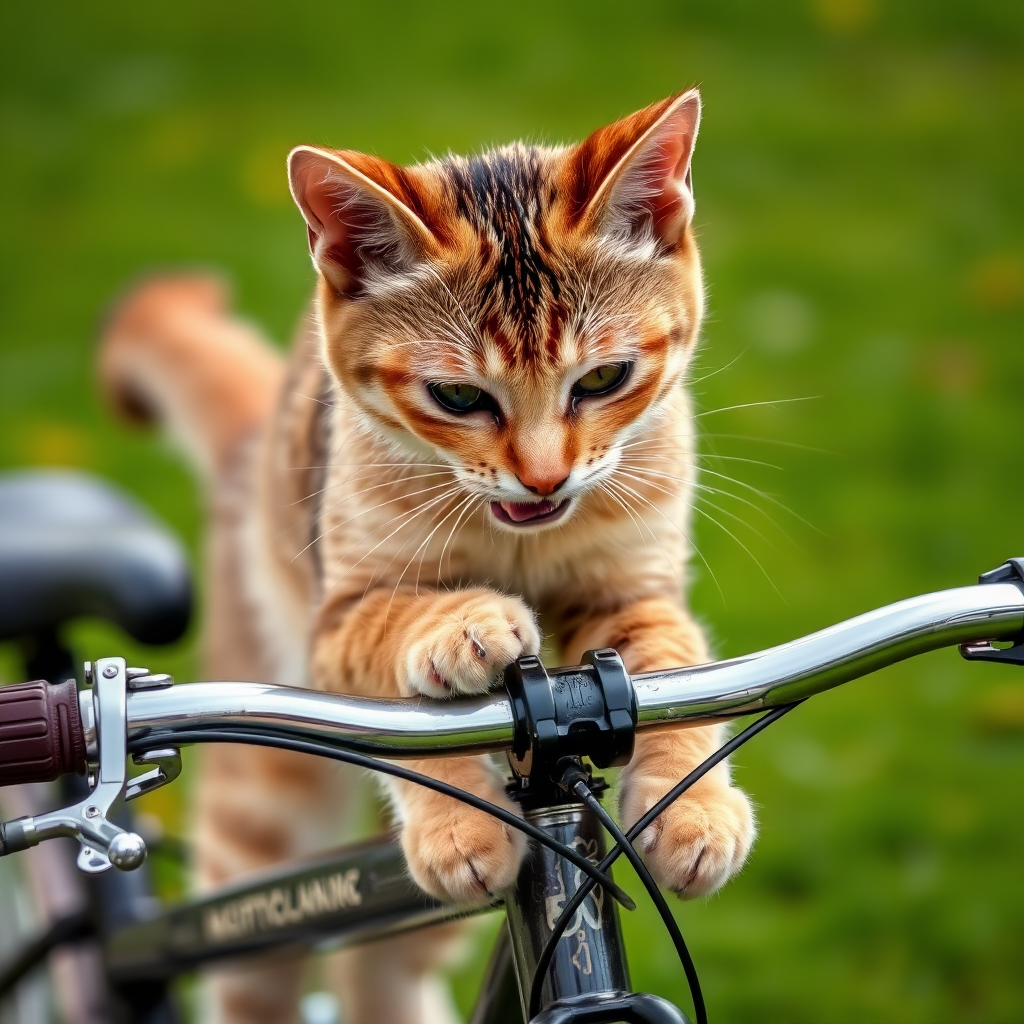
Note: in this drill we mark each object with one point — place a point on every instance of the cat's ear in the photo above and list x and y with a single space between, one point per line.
633 177
361 215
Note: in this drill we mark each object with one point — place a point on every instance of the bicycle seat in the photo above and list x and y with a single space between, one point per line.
72 545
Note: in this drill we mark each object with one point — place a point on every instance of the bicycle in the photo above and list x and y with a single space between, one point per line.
561 960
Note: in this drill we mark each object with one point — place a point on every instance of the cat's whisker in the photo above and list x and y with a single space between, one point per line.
365 511
468 500
319 401
675 526
704 456
659 439
762 494
726 530
707 471
394 482
708 489
378 574
771 440
614 489
440 561
609 490
755 405
415 514
619 495
422 545
373 465
650 483
739 519
721 369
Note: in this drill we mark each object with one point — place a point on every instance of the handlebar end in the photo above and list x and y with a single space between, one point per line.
15 836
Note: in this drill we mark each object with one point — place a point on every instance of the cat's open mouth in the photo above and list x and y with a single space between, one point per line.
528 513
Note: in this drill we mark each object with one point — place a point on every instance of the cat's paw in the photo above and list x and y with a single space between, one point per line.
462 855
464 648
700 842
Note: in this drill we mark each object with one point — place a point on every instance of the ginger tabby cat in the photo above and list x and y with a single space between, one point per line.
482 438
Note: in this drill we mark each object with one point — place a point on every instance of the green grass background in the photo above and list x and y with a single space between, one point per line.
859 188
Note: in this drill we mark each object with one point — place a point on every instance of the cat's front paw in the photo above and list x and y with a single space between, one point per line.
463 646
700 842
460 854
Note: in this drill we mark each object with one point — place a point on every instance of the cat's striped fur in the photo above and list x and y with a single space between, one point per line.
362 539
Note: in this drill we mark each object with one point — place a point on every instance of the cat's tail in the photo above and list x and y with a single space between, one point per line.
173 353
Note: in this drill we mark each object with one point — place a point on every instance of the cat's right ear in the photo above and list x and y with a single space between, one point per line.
360 216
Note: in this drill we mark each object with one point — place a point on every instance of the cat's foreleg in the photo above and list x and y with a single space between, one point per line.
442 645
703 839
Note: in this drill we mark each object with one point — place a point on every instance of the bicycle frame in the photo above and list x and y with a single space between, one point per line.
354 894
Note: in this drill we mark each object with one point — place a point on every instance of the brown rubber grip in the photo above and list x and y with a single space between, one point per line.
41 735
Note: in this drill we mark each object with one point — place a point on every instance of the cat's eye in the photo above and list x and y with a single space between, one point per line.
462 398
601 380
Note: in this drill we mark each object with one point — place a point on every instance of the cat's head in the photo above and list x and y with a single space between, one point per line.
519 315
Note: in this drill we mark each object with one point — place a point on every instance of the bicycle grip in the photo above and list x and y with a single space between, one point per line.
41 734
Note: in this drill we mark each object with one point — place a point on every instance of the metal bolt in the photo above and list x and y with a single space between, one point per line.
92 812
109 672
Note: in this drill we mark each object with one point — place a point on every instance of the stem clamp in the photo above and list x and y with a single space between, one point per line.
586 711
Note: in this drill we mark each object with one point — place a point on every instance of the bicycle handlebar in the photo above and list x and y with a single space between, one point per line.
423 728
718 690
132 710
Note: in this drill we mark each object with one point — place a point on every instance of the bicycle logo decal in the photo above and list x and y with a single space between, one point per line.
281 906
590 912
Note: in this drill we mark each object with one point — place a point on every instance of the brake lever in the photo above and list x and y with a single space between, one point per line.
104 844
168 768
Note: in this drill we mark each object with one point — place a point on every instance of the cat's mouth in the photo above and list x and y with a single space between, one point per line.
528 513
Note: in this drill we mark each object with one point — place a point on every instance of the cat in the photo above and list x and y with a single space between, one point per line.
482 439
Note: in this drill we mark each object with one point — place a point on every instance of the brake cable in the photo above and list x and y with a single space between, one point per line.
580 788
626 840
255 737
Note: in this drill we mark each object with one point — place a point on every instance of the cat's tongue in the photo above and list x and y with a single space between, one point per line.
521 512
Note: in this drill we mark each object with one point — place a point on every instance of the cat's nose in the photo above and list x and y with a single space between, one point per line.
542 484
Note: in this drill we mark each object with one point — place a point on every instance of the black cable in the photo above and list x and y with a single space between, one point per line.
705 766
582 790
154 741
586 887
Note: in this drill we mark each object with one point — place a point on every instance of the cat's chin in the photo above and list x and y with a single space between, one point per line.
529 515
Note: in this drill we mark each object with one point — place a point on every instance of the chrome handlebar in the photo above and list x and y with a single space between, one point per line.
703 693
128 708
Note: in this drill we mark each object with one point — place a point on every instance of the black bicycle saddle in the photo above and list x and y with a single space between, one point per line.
72 545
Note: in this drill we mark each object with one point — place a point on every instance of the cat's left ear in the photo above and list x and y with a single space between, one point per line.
633 177
364 216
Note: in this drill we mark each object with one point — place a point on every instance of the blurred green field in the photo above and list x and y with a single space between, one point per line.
860 210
